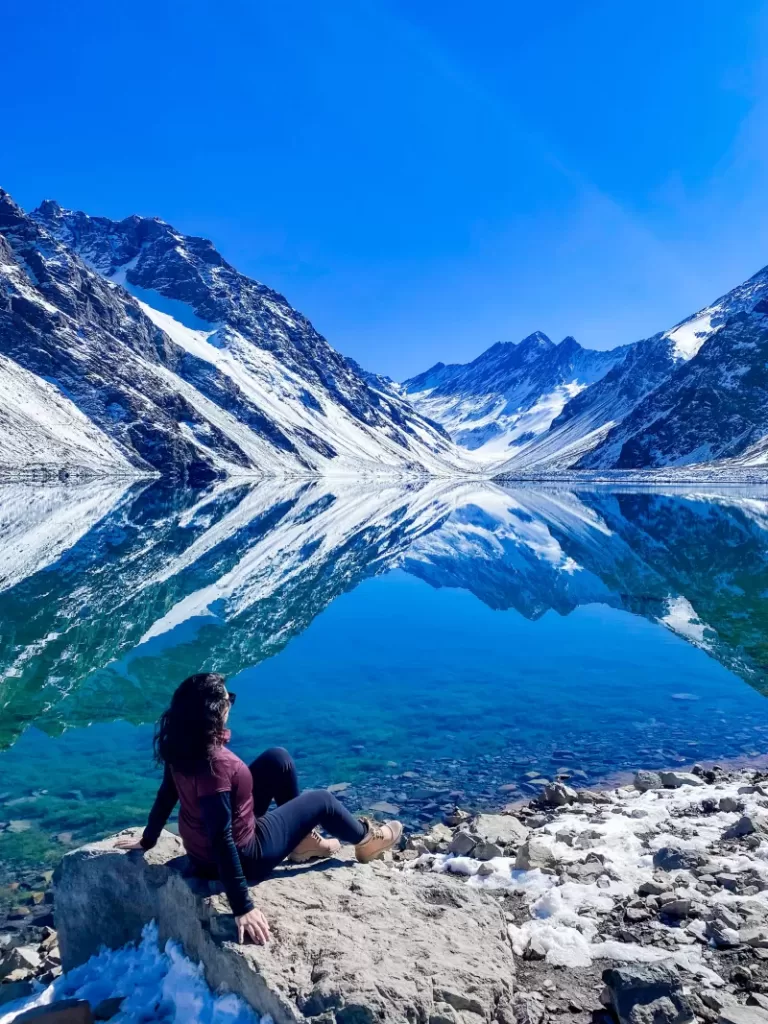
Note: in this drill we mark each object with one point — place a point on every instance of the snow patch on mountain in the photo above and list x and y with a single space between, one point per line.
257 358
41 429
510 395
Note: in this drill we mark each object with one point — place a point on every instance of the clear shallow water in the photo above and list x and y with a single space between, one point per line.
423 644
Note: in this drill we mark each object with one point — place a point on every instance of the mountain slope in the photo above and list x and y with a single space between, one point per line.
510 394
41 430
246 349
713 407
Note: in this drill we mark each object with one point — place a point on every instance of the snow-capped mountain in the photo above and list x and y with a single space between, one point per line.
160 356
693 394
508 396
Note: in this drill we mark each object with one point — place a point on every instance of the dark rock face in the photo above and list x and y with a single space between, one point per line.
645 993
251 389
713 407
247 320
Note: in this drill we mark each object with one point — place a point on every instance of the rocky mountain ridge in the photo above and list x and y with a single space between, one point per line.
687 396
187 367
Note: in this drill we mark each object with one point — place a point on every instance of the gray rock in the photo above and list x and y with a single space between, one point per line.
735 1013
463 843
727 916
487 851
647 994
355 943
528 1009
19 958
502 829
437 837
534 853
677 908
652 888
676 858
674 780
647 780
729 804
726 881
557 794
756 937
722 936
747 825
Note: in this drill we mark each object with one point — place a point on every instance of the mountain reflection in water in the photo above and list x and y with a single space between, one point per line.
111 593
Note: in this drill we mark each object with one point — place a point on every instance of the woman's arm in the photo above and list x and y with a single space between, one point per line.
165 801
217 817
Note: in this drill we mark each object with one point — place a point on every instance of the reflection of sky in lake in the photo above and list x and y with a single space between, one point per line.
468 637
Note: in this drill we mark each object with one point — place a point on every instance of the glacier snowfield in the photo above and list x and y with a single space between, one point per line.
414 644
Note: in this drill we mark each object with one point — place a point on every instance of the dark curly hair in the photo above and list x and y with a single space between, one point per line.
194 723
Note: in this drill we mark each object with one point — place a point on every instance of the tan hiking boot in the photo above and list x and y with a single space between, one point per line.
381 836
314 847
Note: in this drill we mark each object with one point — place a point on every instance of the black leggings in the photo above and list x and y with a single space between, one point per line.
280 831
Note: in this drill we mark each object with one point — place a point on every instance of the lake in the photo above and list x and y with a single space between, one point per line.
415 644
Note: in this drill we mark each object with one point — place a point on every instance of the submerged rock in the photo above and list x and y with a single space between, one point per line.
353 943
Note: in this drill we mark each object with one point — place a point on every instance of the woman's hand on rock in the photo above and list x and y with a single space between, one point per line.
254 925
128 844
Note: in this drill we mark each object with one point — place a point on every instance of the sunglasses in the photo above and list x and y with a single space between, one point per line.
231 697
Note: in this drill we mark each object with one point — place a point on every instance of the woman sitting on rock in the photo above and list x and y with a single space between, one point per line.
224 821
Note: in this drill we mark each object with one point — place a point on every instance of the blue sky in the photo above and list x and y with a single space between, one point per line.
420 178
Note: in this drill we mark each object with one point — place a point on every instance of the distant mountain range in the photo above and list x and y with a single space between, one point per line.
695 394
128 348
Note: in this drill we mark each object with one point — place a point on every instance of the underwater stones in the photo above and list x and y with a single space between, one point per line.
353 943
645 781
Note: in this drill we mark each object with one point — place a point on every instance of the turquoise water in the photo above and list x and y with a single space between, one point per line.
423 644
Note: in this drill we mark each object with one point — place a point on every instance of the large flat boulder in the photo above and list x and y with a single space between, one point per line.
352 944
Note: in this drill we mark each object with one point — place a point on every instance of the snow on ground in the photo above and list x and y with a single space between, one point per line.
40 427
294 404
570 919
689 336
159 986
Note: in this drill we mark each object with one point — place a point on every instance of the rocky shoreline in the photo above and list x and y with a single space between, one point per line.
645 902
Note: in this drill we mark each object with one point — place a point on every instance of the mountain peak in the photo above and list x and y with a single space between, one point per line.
50 208
537 340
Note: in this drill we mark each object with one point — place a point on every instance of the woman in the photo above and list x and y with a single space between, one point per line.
224 821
